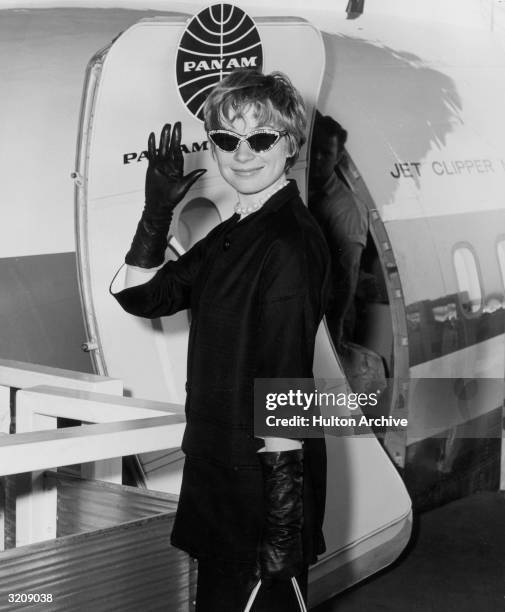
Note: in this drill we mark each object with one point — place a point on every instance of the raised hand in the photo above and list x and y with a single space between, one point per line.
166 184
165 187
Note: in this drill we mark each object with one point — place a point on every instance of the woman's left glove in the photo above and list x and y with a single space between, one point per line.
281 553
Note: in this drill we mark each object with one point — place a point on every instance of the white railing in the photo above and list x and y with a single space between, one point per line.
21 375
114 426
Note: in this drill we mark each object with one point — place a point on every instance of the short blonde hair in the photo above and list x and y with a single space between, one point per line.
277 103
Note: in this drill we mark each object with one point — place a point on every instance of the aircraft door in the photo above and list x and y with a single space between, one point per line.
148 76
131 90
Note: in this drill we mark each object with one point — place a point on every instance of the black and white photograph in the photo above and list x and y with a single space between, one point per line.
252 306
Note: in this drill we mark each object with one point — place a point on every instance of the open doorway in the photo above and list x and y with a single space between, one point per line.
373 348
373 328
380 311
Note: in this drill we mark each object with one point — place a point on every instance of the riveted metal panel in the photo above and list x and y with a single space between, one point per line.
126 568
85 505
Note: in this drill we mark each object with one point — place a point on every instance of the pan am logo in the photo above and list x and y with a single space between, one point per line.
216 41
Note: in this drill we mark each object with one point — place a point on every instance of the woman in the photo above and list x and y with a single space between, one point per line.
257 287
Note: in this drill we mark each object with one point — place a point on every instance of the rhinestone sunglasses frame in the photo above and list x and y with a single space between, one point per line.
279 134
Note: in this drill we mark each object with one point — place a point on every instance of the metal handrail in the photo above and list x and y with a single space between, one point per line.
40 450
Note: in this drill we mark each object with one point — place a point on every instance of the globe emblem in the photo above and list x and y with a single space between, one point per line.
216 41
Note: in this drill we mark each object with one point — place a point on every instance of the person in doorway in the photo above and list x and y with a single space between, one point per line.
343 219
257 286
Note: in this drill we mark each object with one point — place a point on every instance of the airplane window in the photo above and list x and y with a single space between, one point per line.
467 276
500 247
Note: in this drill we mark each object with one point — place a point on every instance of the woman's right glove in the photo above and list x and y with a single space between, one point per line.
166 186
281 552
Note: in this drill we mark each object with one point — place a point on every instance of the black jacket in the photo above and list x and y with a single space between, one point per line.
257 289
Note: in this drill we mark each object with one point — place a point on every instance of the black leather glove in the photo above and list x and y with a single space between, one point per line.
281 553
166 186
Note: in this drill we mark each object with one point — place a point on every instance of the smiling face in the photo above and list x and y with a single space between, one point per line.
249 172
